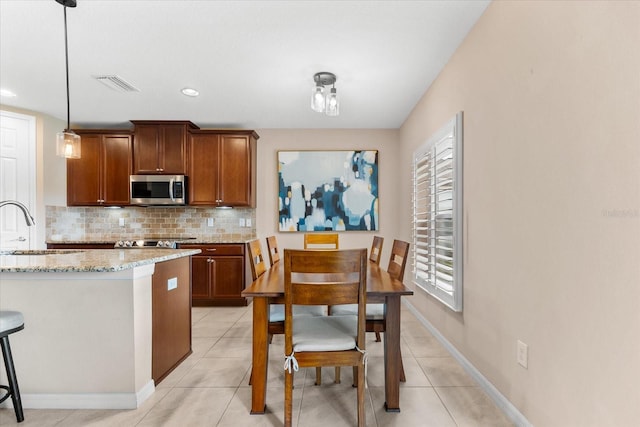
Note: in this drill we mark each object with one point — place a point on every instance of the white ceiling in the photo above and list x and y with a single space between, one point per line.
252 61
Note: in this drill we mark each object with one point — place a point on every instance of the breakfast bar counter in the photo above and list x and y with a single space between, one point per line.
79 260
90 322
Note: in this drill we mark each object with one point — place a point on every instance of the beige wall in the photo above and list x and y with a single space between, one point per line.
551 97
272 140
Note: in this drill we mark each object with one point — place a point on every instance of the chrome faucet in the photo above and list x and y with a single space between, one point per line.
27 216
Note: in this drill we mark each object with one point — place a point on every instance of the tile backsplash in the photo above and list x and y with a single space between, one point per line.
104 224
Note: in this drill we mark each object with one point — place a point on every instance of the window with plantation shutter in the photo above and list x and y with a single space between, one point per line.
437 215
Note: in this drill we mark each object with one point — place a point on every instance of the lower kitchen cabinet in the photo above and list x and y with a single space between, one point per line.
217 274
171 316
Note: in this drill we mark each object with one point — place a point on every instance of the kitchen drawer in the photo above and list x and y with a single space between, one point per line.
216 249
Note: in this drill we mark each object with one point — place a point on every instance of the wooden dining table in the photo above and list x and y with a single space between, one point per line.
269 289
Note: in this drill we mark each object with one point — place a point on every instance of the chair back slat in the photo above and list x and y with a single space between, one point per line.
326 293
398 259
274 252
321 241
258 265
376 249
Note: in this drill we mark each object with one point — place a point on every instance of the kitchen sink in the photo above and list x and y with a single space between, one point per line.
39 251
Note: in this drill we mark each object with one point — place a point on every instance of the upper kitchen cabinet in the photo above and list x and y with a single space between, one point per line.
222 168
101 176
160 147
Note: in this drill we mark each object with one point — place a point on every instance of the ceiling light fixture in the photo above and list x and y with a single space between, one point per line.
67 141
190 92
320 103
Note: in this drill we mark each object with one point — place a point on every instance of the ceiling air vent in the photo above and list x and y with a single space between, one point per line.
116 83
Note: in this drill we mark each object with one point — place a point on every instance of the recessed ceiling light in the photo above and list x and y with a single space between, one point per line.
190 91
7 93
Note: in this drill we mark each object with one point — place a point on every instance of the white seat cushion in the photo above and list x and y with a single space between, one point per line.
328 333
309 310
374 311
276 311
10 320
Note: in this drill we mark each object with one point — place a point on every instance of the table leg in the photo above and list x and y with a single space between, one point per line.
392 355
260 355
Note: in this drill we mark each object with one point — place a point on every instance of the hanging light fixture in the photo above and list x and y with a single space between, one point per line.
320 103
317 98
333 106
67 141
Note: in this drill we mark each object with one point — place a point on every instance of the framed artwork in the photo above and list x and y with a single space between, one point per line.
328 190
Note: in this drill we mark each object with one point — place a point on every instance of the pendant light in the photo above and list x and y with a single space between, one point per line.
333 106
67 141
320 103
317 98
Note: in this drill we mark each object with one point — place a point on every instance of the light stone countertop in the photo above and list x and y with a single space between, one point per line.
184 241
90 260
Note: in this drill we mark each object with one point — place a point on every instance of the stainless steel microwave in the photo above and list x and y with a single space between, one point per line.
152 190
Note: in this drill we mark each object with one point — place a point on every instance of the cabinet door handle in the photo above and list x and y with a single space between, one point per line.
210 250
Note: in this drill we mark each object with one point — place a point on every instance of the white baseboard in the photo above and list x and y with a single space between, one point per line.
85 400
507 407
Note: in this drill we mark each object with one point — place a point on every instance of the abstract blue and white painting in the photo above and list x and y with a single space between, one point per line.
328 190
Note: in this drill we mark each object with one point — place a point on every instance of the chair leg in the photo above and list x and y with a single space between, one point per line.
13 380
361 410
318 376
377 336
337 378
270 338
355 377
403 378
288 398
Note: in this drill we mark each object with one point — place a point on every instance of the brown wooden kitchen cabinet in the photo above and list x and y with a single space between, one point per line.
171 316
222 168
101 176
217 274
160 147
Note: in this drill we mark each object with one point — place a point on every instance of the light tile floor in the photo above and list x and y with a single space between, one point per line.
210 388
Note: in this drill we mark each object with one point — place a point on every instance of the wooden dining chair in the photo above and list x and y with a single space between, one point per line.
257 263
275 325
397 264
323 278
321 241
376 321
398 259
258 267
376 249
274 252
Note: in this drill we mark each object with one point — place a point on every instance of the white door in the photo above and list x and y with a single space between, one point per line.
17 172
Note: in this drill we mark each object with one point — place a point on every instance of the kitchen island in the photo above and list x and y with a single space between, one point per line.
89 322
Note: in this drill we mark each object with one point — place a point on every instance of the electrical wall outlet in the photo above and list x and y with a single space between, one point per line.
121 222
210 222
523 354
241 222
172 283
248 222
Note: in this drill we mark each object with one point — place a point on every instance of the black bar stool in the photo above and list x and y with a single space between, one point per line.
10 322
